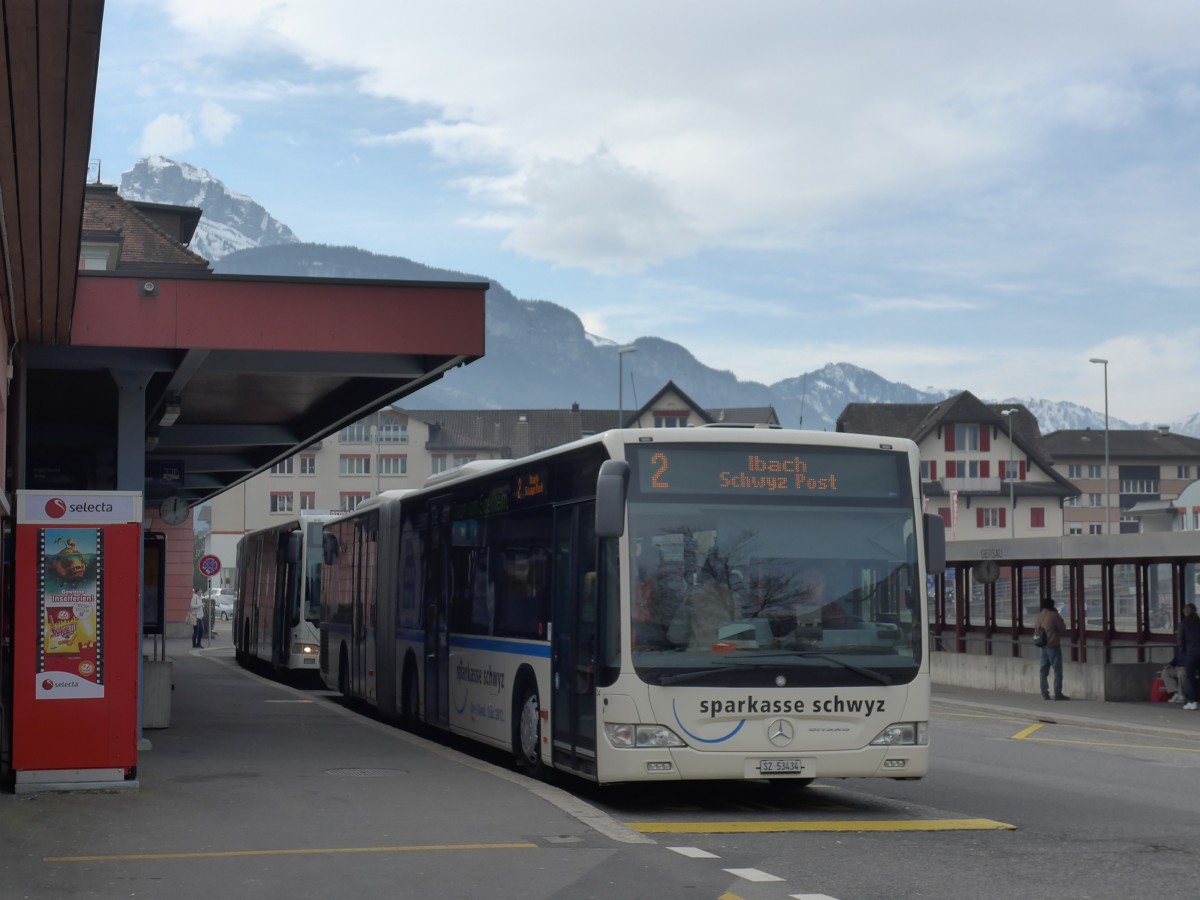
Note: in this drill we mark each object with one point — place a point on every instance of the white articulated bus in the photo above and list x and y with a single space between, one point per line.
277 600
651 604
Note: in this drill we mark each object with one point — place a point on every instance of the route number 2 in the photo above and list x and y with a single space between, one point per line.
658 479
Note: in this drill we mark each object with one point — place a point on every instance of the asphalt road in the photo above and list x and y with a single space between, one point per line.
260 790
1012 808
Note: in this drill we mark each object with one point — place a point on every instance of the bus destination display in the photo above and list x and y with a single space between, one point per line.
688 469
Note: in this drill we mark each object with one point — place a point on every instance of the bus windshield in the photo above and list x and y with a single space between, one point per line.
752 587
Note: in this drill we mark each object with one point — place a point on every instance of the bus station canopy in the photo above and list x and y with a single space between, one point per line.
212 378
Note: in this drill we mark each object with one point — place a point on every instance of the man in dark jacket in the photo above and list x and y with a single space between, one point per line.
1189 651
1052 623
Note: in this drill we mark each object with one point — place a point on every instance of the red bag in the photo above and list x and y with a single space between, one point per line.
1158 691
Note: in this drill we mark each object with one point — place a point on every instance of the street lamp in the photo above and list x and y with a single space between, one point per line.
1008 474
621 351
1107 491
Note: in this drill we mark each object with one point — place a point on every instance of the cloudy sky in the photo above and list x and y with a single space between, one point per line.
955 195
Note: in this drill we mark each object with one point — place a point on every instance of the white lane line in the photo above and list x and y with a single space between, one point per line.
694 853
753 875
812 897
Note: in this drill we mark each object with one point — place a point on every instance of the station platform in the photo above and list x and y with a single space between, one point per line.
1146 717
260 789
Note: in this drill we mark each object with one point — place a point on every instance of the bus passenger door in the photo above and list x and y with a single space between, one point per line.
435 595
575 638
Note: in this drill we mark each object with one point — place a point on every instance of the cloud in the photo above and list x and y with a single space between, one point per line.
216 122
166 135
598 214
758 129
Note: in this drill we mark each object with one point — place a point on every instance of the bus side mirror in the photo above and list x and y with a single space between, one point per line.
611 488
935 544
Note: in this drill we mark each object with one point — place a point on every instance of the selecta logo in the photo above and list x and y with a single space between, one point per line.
47 685
56 507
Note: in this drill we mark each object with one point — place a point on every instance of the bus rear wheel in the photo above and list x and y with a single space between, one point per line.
527 732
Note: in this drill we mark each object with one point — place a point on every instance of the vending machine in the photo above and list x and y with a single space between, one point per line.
77 640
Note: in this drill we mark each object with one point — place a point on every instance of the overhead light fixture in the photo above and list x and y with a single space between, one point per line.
170 413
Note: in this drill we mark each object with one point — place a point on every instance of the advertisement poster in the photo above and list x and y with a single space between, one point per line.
71 566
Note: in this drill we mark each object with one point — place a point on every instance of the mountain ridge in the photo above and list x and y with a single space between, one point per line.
538 353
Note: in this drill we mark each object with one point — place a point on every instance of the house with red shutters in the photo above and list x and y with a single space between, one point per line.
983 467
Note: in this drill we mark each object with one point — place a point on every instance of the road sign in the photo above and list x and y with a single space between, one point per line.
209 565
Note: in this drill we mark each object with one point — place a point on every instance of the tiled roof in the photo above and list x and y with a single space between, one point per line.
514 433
1089 443
917 420
144 245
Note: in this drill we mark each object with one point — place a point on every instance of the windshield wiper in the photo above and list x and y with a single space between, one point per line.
696 674
861 670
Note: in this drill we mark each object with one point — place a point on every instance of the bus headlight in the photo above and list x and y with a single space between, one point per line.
903 733
641 736
304 649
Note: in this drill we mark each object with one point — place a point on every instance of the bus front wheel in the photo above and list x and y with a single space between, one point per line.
527 732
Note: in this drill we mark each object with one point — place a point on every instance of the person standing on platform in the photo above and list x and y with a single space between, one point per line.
1052 623
196 614
1189 651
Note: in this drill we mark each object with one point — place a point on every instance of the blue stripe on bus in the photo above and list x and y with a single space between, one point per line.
696 737
500 646
536 649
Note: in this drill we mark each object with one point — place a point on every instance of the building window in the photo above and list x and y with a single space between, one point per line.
925 470
461 459
1095 472
283 467
308 465
1097 528
1139 486
1183 472
281 502
1074 471
393 465
966 437
670 420
354 465
1196 521
437 463
1095 500
351 499
1075 529
393 432
1037 517
358 433
1073 501
990 517
308 500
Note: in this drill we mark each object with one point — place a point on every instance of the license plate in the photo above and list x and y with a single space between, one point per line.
781 766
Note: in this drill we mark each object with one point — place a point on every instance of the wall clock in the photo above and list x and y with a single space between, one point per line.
174 510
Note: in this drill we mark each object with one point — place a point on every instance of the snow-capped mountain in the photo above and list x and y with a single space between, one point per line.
231 221
539 354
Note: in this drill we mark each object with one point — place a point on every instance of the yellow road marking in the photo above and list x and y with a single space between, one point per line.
729 896
225 854
1024 735
855 825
